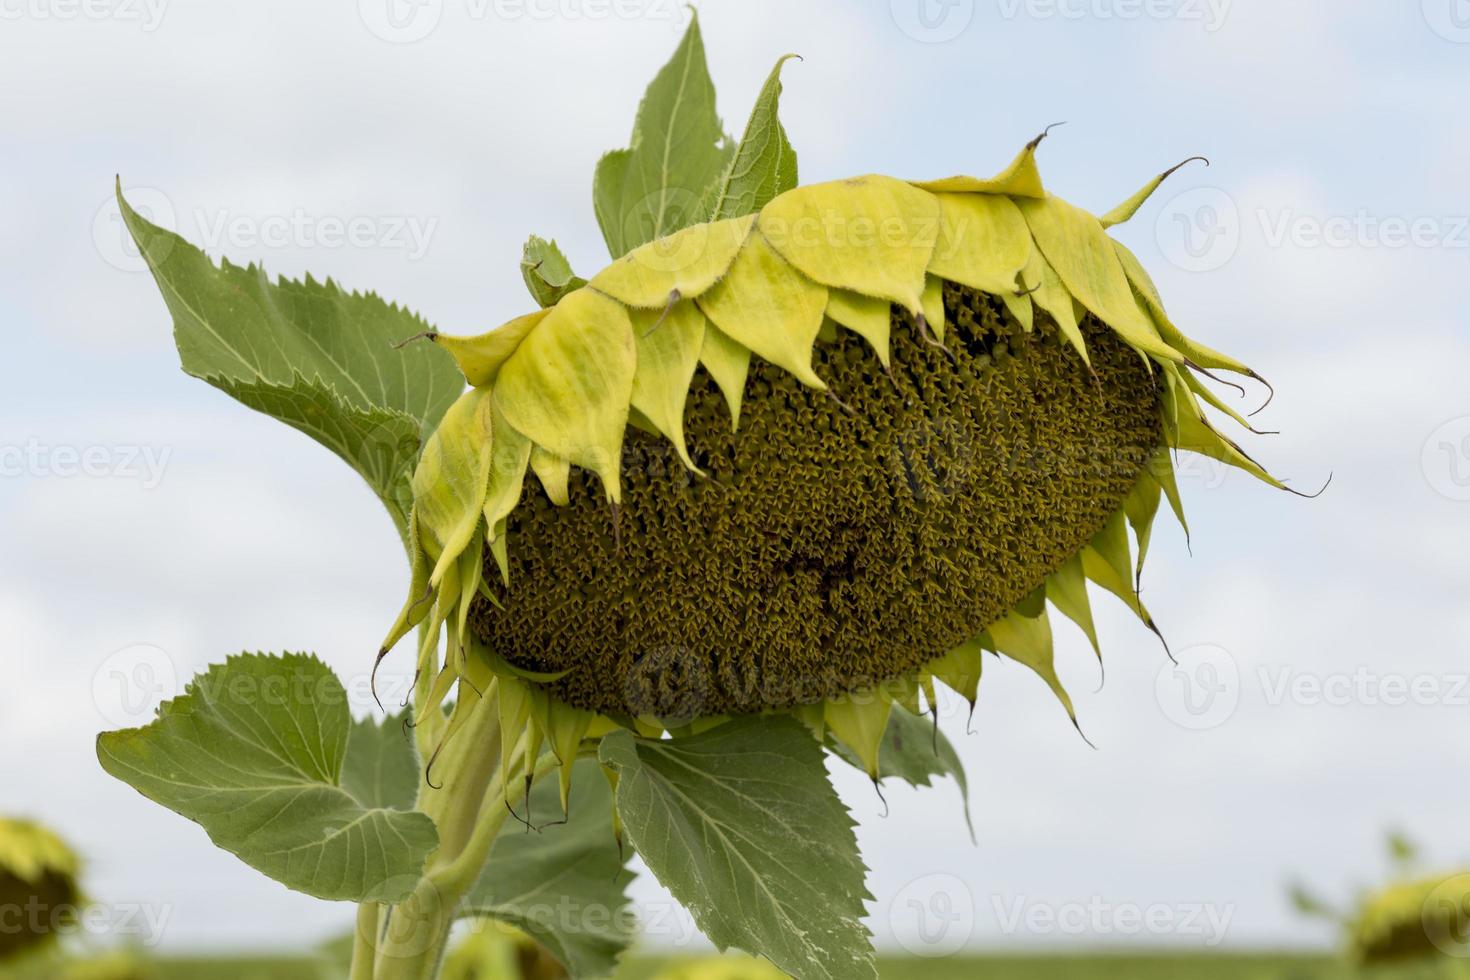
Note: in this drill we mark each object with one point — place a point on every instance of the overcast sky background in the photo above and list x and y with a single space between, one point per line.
1333 128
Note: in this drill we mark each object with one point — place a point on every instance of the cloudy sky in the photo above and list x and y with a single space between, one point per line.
149 526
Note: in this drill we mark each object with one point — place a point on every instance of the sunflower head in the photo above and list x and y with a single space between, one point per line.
496 951
38 886
1412 919
809 460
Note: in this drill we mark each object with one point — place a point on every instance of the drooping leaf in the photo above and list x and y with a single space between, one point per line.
308 353
880 247
567 387
764 163
742 826
663 181
684 264
668 354
547 272
859 721
564 884
767 306
255 752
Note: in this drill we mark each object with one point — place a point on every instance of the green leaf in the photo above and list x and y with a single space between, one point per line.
764 163
741 824
255 752
381 768
665 179
914 750
564 884
308 353
547 272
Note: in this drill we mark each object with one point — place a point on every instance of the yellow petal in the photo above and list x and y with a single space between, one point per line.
1020 179
1130 207
554 474
770 308
865 316
1148 294
452 478
1083 257
873 235
481 357
983 242
567 387
1027 640
688 262
933 302
1066 588
1020 308
858 720
960 670
729 364
1048 293
508 459
668 353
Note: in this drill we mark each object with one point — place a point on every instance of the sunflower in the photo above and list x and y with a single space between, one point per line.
810 460
1412 919
39 893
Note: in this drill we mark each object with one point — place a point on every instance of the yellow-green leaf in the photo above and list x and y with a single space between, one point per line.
480 357
1020 179
933 302
682 265
869 318
1130 207
1027 640
1082 255
554 473
668 353
1048 293
873 235
858 720
729 364
983 242
770 308
452 478
568 386
508 458
1066 588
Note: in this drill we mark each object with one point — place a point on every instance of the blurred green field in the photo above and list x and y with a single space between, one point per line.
1105 966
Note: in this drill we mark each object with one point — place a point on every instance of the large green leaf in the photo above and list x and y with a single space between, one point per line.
741 824
564 883
256 752
913 750
665 179
764 163
381 768
313 355
547 272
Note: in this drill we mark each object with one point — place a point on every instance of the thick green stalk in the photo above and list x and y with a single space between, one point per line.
469 810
